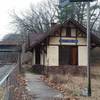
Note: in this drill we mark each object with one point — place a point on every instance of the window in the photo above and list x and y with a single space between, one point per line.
73 32
68 31
63 32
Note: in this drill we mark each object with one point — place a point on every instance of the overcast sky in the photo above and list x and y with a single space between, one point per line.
6 7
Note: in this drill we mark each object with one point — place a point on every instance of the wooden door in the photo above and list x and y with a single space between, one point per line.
74 55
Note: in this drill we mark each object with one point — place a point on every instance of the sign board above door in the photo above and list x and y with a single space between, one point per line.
68 41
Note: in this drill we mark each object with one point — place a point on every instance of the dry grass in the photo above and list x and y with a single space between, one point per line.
71 85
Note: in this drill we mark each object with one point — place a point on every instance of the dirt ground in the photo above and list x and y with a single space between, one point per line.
74 86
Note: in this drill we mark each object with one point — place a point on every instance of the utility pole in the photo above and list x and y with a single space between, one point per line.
88 50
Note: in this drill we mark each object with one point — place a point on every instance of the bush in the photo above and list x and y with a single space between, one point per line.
39 69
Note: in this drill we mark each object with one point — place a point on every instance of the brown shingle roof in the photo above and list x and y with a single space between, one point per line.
35 39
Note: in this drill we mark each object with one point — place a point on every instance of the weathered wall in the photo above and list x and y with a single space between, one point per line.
67 69
82 49
82 55
52 56
82 41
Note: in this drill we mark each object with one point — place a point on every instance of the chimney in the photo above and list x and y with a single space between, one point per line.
53 24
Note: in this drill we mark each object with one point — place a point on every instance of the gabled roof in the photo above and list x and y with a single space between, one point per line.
36 38
94 38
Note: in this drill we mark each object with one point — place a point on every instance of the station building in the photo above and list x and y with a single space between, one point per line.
64 44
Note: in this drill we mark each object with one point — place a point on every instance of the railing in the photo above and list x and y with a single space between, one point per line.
7 81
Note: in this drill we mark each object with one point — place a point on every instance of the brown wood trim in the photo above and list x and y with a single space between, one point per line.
81 45
64 36
60 35
81 37
76 36
68 37
77 55
53 45
64 45
67 65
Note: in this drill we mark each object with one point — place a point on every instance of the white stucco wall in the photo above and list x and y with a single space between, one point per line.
52 56
82 41
54 40
82 55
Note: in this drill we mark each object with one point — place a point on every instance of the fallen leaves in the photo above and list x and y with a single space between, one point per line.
20 92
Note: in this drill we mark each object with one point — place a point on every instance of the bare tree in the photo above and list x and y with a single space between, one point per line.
36 19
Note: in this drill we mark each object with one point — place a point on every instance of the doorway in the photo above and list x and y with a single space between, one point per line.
37 55
68 55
